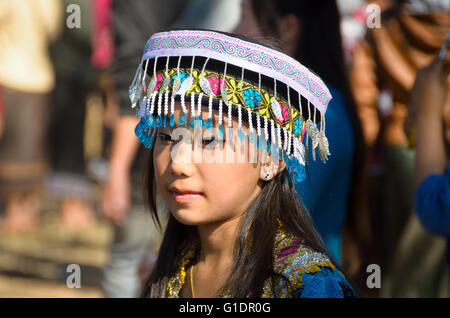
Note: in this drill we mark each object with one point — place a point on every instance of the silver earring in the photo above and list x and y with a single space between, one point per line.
266 175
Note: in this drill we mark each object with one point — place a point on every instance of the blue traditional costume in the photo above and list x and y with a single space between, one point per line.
302 273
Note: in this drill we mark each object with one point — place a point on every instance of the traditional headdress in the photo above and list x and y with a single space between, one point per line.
283 102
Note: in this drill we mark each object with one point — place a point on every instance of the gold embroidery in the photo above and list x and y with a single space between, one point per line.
299 260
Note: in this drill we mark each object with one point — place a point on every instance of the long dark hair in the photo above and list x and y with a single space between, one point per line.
320 49
277 200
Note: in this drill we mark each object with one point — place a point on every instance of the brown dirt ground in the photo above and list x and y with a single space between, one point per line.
34 264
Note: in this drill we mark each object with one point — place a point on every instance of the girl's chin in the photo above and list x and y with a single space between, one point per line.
188 217
192 218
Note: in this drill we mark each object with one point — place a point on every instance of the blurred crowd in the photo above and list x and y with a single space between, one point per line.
67 129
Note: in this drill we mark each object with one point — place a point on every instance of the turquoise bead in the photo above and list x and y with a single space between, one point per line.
251 137
158 121
192 123
182 119
149 122
200 122
258 142
241 134
149 142
267 147
145 123
138 130
152 121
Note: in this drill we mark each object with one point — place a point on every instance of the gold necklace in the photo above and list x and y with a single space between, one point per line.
192 281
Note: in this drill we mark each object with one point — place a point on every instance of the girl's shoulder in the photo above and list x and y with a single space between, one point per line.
304 272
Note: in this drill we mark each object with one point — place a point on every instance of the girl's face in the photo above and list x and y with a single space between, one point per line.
198 190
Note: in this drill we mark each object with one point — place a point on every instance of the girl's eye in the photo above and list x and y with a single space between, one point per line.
164 137
207 140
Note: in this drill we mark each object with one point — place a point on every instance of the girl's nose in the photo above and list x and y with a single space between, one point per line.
182 163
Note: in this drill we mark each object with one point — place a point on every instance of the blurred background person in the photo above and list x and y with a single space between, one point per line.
75 80
27 78
431 97
72 113
384 65
335 195
122 198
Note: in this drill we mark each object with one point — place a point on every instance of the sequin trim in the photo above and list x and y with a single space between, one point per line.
240 93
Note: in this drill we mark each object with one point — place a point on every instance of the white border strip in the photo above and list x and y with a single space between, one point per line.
241 44
242 63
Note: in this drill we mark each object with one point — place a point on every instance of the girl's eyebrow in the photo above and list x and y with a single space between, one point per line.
166 129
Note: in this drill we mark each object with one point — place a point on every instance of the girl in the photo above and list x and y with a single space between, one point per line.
237 227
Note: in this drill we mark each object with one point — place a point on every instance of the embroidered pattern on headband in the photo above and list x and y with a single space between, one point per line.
249 55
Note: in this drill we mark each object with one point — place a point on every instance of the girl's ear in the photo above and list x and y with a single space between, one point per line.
270 166
289 30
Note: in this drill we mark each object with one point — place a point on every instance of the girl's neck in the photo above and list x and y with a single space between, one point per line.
217 241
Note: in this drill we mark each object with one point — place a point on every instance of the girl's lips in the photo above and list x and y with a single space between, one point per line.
186 197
